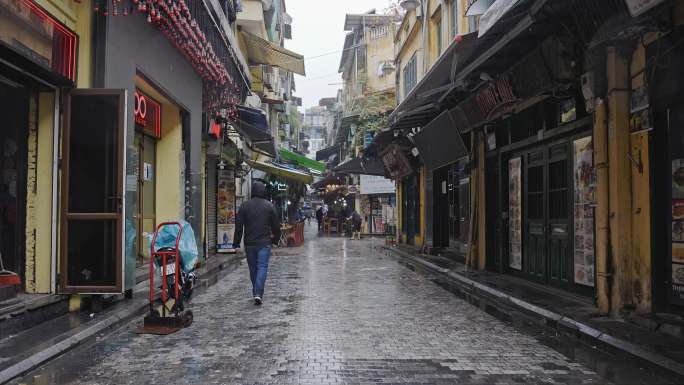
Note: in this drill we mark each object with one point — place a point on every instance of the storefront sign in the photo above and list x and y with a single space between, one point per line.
371 184
147 114
225 213
584 192
638 7
515 213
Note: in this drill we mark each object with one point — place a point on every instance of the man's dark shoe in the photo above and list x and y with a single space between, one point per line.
257 300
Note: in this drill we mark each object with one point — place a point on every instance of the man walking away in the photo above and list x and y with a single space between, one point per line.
356 222
259 218
319 217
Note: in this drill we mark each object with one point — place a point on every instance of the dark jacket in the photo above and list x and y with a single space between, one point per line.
356 218
259 218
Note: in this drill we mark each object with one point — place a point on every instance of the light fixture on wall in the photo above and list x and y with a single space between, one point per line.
409 5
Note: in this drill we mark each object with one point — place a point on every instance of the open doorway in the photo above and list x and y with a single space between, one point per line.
14 109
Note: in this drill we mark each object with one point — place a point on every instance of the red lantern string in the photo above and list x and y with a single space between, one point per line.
174 19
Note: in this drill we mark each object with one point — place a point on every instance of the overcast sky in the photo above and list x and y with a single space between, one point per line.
317 29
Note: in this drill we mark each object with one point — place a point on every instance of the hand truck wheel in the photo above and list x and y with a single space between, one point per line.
187 318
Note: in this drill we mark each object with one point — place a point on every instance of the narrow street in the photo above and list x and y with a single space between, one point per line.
336 312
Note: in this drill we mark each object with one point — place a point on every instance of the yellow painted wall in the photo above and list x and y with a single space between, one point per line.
434 17
77 17
169 165
641 200
380 50
408 42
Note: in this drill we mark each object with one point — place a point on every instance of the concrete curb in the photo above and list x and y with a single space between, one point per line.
115 319
549 316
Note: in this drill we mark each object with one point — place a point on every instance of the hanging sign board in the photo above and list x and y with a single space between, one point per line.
225 211
371 184
515 213
638 7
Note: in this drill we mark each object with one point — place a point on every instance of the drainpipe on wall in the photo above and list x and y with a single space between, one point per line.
602 208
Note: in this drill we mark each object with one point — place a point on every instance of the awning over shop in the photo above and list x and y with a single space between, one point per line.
301 160
329 180
252 116
259 139
494 13
262 51
463 62
326 153
422 103
283 172
440 142
362 166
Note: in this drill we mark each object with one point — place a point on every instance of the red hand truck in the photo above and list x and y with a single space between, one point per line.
177 317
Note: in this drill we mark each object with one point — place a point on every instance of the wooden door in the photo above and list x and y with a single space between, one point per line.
560 260
91 256
534 258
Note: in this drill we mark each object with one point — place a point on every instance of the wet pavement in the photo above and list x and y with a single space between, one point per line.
338 312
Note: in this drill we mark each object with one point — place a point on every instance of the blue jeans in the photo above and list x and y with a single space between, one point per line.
257 259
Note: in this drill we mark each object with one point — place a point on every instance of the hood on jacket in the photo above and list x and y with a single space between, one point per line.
258 190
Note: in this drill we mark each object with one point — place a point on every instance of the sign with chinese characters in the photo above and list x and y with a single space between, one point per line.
584 198
225 210
147 113
515 213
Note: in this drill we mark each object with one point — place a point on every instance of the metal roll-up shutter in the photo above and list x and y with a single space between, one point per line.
211 203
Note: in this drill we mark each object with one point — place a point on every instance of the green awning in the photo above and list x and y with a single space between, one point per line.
270 168
301 160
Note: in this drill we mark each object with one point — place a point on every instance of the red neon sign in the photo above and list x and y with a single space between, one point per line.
62 58
147 113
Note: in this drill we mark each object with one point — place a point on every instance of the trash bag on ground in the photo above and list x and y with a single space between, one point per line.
187 245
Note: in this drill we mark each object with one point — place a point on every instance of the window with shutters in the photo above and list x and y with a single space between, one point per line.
410 74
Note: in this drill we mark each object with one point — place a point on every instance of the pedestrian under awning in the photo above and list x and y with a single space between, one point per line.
281 171
261 51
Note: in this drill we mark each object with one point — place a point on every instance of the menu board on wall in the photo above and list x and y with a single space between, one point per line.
584 199
677 290
515 213
225 210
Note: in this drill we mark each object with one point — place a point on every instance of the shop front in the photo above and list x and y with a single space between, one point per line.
541 221
37 67
378 204
665 100
548 205
151 169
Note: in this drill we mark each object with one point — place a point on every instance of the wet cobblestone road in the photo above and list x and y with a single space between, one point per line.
335 312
